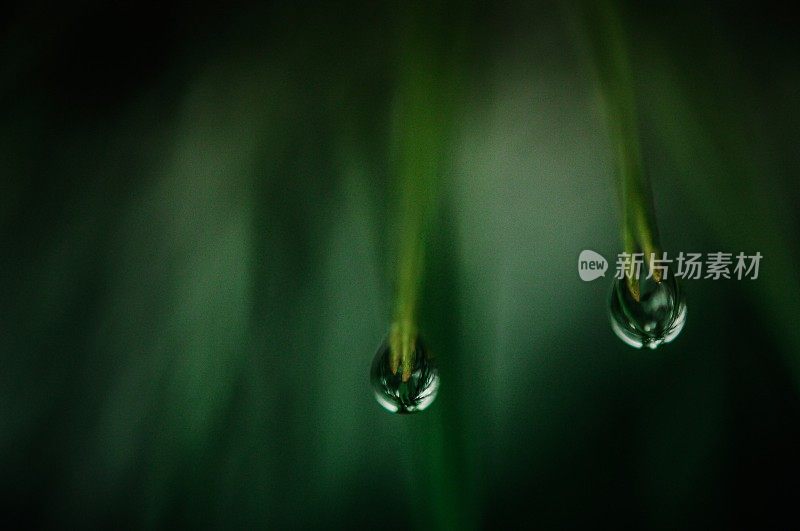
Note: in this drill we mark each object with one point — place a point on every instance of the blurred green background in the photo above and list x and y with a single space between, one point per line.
196 270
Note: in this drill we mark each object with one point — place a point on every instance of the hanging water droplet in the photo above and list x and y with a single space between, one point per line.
414 394
656 318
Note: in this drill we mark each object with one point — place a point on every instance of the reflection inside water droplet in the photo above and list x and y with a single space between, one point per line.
397 396
657 318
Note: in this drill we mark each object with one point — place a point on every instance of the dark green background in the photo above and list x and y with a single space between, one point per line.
195 272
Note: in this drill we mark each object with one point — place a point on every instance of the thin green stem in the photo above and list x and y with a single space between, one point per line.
420 132
605 37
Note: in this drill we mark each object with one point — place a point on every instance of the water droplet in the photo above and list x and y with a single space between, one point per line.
656 318
398 396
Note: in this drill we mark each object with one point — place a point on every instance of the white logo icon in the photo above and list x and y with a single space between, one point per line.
591 265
